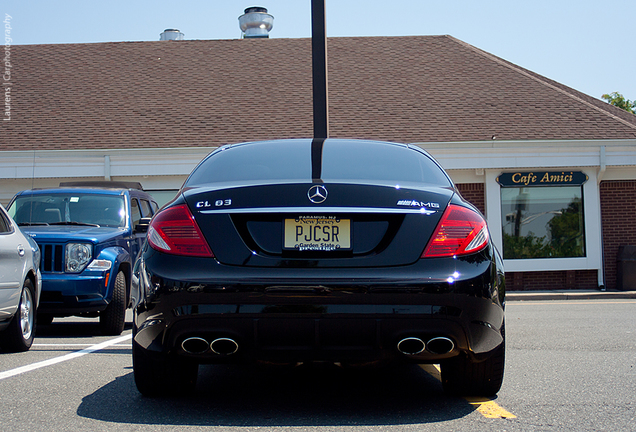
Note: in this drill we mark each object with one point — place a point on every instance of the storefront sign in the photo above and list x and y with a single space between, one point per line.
542 178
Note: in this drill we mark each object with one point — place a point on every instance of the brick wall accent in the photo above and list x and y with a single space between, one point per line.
551 280
473 193
618 219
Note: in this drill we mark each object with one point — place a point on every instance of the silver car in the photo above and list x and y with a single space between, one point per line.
20 286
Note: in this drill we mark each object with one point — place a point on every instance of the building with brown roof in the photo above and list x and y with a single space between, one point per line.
149 111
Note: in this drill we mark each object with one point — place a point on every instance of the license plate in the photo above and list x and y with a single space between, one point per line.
317 233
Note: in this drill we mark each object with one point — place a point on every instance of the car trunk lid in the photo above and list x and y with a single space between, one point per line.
353 224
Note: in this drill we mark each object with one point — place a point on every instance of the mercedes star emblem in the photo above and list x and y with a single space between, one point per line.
317 194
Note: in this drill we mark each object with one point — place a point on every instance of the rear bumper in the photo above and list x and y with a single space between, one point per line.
346 315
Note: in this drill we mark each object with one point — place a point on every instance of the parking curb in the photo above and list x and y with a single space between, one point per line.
568 295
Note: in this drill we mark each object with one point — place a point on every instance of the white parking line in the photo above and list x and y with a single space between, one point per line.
62 345
55 360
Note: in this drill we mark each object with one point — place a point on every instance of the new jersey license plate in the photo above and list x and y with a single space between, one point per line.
317 233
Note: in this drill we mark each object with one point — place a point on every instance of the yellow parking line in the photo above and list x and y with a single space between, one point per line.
485 406
489 409
433 370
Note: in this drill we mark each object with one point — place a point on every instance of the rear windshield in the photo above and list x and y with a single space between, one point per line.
65 208
341 161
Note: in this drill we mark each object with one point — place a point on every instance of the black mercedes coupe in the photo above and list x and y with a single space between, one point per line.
326 250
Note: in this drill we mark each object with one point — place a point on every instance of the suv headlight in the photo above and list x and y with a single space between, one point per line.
77 256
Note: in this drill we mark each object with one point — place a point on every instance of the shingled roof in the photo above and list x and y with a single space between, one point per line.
212 92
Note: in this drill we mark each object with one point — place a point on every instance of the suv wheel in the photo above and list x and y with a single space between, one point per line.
19 335
111 320
462 376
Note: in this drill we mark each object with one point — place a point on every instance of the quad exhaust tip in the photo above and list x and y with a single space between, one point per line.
437 345
224 346
440 345
411 346
195 345
219 346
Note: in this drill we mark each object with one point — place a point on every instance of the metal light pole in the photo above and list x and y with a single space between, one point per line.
319 69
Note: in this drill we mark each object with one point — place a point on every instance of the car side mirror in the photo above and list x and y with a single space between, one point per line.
143 225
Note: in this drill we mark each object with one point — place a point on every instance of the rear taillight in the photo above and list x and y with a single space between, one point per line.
461 231
175 231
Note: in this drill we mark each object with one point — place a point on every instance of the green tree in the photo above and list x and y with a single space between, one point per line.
566 230
528 246
619 100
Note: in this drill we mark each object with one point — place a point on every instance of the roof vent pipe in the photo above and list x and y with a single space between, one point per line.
171 34
256 22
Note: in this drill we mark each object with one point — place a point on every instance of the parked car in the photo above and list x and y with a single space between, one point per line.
20 286
345 251
89 234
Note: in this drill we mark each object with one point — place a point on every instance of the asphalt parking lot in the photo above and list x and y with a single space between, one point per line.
570 366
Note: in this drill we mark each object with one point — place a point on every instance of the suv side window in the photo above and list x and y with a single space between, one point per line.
146 211
135 211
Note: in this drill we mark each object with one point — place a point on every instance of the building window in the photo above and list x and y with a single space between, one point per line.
543 222
542 215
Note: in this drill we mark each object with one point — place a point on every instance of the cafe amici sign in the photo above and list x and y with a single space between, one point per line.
542 178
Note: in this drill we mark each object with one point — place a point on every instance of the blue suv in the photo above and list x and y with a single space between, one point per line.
89 234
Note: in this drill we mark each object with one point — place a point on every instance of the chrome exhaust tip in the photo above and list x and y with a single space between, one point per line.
411 346
224 346
195 345
440 345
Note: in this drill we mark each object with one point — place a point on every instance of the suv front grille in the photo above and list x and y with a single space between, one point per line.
52 258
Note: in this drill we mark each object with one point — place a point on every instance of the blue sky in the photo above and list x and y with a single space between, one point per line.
586 44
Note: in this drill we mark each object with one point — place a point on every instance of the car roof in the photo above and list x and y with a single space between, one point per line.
98 187
61 190
339 141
